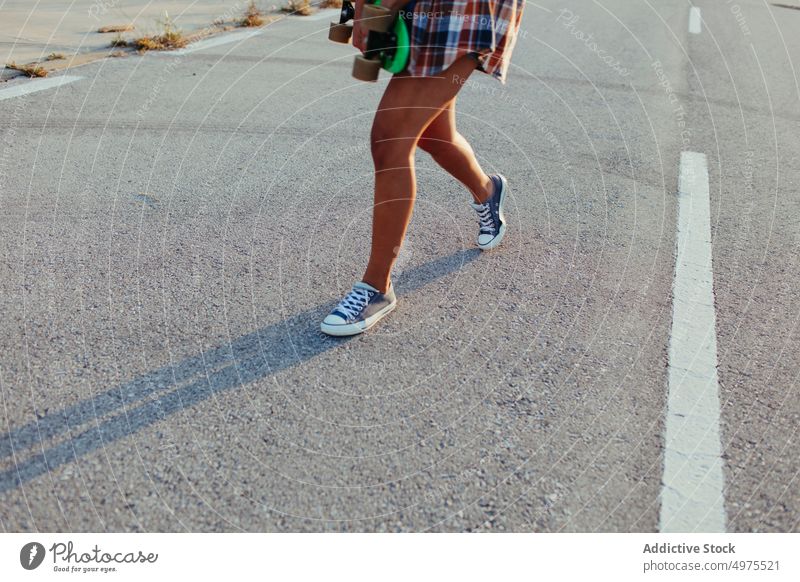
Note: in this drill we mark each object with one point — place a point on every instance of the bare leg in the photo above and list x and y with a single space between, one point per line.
454 154
407 108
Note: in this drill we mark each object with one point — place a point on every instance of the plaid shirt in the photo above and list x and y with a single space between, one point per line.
444 30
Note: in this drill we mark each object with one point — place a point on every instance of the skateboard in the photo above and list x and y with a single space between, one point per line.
387 39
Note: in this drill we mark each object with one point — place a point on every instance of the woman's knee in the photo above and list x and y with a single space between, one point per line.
389 146
434 145
437 144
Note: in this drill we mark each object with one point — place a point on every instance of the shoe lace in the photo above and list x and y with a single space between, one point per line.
355 302
485 218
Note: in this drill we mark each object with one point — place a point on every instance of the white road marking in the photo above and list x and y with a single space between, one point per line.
695 22
216 41
692 497
332 13
24 87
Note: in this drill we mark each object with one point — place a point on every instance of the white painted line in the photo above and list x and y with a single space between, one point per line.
695 22
216 41
25 86
692 485
332 13
222 39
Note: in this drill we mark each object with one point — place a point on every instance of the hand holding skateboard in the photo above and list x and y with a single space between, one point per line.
387 41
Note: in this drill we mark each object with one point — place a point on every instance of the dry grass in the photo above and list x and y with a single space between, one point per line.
170 38
117 54
300 7
252 17
118 42
116 28
55 57
31 70
330 4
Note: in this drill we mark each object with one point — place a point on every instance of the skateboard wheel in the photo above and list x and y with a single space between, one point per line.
340 32
365 69
376 17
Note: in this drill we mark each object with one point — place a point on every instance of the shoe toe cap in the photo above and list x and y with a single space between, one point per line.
485 239
334 319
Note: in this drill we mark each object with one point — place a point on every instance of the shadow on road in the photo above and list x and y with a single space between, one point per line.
234 364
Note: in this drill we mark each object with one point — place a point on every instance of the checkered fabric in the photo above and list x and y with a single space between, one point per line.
444 30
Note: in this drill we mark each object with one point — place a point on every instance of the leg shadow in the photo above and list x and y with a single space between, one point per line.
248 358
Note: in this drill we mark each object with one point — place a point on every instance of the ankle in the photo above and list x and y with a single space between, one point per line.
382 285
487 191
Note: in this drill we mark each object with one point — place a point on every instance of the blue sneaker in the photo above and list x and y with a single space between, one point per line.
362 308
490 215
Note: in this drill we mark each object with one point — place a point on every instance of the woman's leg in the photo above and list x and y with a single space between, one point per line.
407 108
454 154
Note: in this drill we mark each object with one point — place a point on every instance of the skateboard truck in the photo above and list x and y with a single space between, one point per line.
341 31
387 38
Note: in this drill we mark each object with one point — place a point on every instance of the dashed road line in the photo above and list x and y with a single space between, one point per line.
25 87
332 13
216 41
692 498
695 21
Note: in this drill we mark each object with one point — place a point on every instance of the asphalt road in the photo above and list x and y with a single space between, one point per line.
174 227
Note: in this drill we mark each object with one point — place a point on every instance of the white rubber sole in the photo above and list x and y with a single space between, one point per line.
495 241
357 328
499 238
